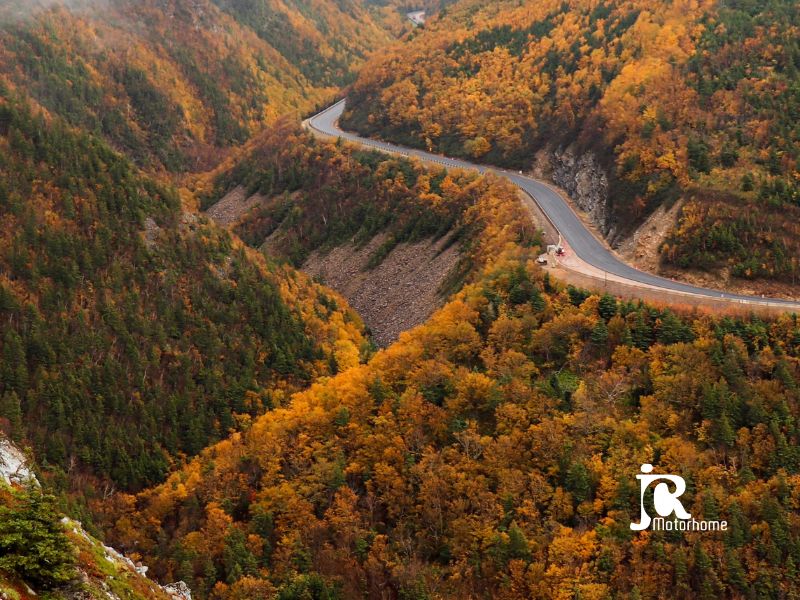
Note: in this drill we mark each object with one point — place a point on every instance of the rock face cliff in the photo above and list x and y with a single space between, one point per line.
584 179
14 469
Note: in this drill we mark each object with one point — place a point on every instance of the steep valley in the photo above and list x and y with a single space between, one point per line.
176 84
136 332
395 239
504 432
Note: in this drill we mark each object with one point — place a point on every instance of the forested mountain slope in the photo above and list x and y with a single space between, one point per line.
225 420
174 83
392 236
690 100
316 195
492 453
135 333
324 39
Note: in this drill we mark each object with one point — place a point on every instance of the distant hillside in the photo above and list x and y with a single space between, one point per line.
173 83
323 39
403 7
697 101
135 333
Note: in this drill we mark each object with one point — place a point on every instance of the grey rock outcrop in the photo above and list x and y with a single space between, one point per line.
178 590
14 466
584 180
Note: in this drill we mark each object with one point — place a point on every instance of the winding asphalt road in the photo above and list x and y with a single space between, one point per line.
582 242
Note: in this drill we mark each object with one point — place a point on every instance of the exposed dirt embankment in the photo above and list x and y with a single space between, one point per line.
642 248
585 185
399 293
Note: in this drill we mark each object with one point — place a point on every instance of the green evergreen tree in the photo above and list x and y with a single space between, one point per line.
725 435
736 575
537 301
673 330
698 155
309 587
237 560
11 409
578 482
577 295
519 287
641 332
680 577
518 547
14 368
33 544
547 282
599 335
607 307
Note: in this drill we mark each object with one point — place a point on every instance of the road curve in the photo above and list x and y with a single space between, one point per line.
582 242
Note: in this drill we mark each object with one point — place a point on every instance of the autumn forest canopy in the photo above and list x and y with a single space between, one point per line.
696 101
184 390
